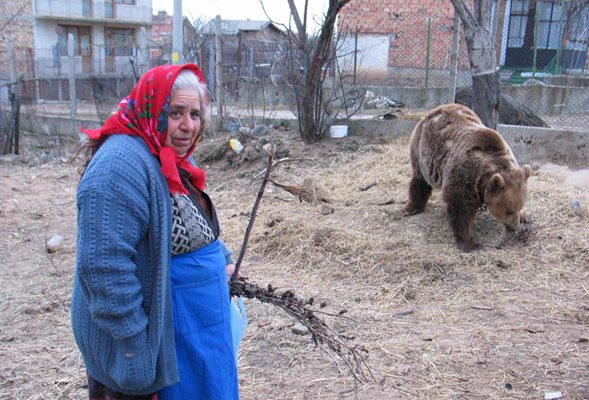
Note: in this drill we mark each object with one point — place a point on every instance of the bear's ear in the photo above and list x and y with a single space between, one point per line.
527 170
497 183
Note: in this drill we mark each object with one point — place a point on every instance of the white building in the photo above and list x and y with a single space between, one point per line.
105 34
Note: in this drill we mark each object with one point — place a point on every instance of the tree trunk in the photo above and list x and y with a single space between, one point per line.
309 92
483 60
486 102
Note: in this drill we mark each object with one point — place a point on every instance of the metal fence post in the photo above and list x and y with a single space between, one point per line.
535 51
429 40
355 54
211 72
251 63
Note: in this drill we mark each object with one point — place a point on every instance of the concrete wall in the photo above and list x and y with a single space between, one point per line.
528 144
551 100
46 132
542 99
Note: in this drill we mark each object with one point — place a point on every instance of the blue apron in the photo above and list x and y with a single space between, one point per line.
204 344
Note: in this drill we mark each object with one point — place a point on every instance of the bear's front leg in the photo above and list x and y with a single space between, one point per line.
461 219
419 194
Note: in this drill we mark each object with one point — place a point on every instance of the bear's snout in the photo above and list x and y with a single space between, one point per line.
512 222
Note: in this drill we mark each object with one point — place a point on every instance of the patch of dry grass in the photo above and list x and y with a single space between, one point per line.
510 321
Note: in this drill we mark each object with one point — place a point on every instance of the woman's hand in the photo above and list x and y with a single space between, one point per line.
230 269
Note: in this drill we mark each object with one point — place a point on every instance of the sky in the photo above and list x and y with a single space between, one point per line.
278 10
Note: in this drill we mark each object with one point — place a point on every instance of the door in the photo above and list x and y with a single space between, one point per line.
86 49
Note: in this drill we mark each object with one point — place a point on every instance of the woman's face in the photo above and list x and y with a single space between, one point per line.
183 120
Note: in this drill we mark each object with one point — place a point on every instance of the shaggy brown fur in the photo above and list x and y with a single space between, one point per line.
451 149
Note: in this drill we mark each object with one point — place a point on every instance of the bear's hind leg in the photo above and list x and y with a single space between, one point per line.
419 194
461 219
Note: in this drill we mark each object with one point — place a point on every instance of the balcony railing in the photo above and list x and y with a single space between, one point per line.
92 11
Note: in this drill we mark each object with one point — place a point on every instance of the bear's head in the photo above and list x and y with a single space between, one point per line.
506 194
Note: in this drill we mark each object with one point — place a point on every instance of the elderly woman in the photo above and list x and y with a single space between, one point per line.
150 302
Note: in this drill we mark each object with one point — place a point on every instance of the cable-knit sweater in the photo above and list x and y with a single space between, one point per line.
121 305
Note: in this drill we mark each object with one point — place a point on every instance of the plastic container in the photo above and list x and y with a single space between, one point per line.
338 131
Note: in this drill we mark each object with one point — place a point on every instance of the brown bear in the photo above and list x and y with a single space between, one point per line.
451 149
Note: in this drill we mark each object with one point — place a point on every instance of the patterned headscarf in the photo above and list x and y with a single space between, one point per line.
144 113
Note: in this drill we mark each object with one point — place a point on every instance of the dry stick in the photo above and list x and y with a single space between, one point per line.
250 224
294 306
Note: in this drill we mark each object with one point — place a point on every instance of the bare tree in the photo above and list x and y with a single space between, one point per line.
308 56
483 59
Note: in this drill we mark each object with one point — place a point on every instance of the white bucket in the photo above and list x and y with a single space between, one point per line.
338 131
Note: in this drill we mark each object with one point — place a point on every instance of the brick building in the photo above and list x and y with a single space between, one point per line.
405 32
16 22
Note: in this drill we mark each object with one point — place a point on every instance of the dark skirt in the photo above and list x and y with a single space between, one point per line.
97 391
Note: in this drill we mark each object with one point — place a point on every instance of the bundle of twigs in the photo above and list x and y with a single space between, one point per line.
321 332
302 310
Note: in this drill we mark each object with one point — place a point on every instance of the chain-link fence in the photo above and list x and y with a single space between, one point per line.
405 69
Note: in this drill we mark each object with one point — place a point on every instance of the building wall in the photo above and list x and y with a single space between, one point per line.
405 25
403 30
53 13
16 21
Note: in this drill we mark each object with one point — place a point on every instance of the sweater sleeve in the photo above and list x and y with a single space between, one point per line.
113 215
227 253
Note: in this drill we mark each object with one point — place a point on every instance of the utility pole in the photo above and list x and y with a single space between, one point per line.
177 40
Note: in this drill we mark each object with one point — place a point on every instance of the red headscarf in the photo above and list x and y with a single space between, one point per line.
145 113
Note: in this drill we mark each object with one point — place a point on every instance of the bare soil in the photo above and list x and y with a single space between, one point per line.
508 322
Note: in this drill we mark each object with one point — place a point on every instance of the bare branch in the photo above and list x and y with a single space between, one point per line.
253 214
321 332
301 28
464 13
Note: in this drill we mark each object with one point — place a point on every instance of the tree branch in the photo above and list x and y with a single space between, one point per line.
250 224
468 20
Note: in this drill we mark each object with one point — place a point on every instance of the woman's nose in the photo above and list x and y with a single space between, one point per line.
187 123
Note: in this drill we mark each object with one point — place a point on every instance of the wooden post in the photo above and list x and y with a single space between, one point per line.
454 57
142 52
72 76
218 70
11 59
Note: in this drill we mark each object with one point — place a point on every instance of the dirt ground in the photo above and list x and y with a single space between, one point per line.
508 322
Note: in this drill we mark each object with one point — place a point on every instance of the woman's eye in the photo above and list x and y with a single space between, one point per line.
175 114
194 115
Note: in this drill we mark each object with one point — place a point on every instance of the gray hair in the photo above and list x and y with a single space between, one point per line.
187 79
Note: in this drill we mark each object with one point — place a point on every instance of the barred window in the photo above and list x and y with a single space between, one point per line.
548 17
119 42
518 21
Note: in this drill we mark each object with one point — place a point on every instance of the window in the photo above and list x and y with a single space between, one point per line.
87 8
81 35
132 2
548 29
518 21
578 36
109 9
119 42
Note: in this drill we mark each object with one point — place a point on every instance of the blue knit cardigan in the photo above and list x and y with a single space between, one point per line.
121 301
